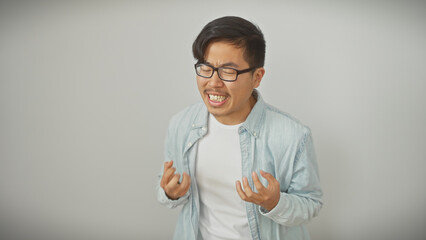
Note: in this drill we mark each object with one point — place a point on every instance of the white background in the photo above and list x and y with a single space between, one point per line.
87 89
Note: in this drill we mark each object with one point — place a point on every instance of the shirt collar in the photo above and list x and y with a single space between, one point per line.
252 124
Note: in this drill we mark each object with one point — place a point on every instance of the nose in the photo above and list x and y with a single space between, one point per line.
215 81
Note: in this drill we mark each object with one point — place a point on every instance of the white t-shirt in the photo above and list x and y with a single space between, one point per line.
218 166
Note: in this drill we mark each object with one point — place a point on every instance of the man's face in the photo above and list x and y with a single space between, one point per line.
235 99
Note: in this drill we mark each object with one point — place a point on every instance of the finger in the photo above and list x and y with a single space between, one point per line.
175 180
240 191
172 187
168 165
247 189
259 186
185 179
268 176
167 176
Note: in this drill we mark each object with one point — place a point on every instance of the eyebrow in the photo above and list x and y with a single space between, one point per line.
227 64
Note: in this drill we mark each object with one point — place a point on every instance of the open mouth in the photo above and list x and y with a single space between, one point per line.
216 98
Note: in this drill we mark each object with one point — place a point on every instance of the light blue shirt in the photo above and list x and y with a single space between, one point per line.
271 141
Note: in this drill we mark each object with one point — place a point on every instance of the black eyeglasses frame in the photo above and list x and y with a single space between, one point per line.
216 69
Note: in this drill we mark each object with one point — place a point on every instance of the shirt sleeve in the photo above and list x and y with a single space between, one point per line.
161 194
164 200
303 200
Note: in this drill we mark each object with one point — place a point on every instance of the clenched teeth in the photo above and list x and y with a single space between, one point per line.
217 98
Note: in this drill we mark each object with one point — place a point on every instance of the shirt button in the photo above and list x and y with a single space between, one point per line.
193 125
189 144
255 134
204 129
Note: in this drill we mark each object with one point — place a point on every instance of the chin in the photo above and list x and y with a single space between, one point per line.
215 111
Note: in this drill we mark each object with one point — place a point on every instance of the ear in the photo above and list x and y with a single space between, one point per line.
257 76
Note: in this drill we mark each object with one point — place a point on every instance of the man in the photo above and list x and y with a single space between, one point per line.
240 168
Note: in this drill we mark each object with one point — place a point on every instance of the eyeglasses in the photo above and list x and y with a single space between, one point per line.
225 73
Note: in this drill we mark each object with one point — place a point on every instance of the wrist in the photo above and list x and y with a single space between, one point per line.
268 207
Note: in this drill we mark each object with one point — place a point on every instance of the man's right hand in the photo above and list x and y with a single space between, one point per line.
170 182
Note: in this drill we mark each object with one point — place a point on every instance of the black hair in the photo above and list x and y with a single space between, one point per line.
238 32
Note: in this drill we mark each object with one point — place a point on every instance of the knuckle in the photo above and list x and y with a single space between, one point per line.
180 188
181 192
169 188
172 193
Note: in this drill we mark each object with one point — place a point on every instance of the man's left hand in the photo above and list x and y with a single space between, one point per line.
267 197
